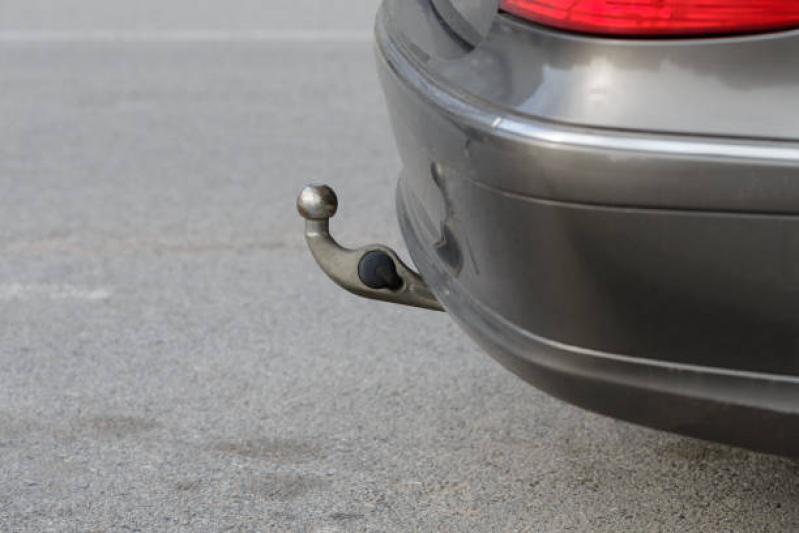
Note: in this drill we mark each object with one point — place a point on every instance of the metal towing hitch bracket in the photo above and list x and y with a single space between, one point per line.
374 271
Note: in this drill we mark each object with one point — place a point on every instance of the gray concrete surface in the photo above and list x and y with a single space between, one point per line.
172 360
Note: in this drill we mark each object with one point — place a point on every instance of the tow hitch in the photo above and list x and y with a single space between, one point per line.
374 271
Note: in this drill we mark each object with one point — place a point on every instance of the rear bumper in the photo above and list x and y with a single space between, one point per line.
752 410
648 276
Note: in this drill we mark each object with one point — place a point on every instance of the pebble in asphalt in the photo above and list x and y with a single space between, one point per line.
173 360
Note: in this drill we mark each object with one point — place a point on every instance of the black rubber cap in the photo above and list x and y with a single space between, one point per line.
378 271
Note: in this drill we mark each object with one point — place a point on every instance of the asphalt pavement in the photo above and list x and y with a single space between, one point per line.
171 358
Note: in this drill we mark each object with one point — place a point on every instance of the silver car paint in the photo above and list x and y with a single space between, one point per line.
733 87
640 264
471 19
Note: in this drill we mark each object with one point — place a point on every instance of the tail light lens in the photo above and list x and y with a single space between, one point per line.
659 17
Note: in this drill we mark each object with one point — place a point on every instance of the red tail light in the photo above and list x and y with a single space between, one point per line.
659 17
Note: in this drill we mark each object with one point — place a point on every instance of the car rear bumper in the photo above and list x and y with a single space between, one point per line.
645 275
752 410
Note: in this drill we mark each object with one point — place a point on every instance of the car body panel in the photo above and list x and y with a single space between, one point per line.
616 267
725 86
748 409
470 19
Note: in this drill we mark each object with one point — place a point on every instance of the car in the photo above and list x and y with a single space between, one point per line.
605 196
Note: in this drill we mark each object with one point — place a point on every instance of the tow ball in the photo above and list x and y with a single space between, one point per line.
374 271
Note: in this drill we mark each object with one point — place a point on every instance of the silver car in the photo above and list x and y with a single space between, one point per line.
604 194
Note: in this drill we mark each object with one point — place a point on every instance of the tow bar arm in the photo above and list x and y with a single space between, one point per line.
374 271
